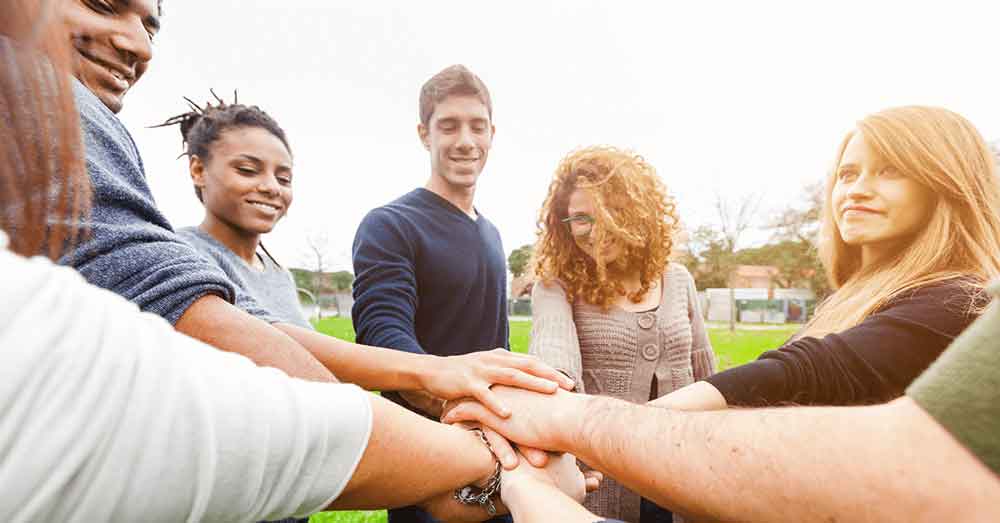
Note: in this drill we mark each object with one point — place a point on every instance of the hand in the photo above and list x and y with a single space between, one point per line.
501 447
561 472
472 375
546 422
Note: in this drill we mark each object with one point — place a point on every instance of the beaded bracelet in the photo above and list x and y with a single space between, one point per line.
471 495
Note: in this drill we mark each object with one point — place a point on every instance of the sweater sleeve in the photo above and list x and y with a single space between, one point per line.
702 355
872 362
110 415
385 284
130 248
554 339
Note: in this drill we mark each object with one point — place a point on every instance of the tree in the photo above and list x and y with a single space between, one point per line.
797 228
735 216
342 280
710 259
318 256
801 222
519 259
711 248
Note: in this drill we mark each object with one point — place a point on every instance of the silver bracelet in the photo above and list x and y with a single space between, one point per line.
470 495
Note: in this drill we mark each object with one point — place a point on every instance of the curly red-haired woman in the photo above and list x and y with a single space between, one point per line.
610 309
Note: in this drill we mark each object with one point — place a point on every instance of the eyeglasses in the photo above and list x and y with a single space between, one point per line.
579 225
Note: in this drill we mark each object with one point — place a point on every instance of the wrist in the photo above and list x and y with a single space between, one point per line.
483 492
569 420
420 370
426 371
518 488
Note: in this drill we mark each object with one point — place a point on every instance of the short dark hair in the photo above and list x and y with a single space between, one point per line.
203 125
456 80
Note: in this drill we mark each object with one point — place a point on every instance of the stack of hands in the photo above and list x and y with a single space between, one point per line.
513 400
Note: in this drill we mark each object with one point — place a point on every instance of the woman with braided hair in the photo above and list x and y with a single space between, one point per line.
610 310
240 163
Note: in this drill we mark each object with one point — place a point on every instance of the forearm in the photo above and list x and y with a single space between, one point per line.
541 502
214 321
884 463
700 395
372 368
410 459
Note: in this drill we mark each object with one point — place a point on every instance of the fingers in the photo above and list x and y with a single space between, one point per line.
491 401
537 458
472 411
592 480
502 448
522 380
537 368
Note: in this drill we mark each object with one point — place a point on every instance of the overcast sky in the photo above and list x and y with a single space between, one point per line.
736 97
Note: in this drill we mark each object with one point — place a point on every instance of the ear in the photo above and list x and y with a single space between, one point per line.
425 135
197 170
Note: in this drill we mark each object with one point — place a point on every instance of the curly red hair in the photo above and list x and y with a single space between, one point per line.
632 209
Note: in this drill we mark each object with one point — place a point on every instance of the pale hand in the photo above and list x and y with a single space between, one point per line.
561 472
538 420
471 375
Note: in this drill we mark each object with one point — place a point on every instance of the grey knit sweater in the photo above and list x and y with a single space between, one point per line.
634 356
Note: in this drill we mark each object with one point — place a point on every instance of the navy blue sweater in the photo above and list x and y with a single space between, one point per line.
429 279
132 250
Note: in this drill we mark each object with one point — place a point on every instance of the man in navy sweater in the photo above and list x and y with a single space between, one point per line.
430 270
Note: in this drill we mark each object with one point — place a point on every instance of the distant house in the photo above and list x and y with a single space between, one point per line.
753 277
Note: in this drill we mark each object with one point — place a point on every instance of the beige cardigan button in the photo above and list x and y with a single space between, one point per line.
647 320
651 352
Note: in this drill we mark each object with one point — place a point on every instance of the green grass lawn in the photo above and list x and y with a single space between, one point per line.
732 348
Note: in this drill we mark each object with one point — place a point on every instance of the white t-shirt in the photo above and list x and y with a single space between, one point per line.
108 414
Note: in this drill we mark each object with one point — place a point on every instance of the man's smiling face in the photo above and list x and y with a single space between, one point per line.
112 42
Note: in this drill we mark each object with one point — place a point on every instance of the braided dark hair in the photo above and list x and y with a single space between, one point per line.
203 125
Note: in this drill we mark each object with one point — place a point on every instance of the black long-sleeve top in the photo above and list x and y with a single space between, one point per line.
870 363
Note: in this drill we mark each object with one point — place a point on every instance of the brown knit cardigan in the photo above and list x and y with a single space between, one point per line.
634 356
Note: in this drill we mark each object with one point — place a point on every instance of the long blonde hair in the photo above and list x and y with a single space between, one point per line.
944 152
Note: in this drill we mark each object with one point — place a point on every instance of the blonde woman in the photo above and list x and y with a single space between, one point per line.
910 235
609 309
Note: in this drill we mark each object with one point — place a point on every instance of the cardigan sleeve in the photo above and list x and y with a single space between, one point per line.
553 332
872 362
702 354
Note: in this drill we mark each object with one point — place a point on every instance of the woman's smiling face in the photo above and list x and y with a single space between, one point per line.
876 206
247 181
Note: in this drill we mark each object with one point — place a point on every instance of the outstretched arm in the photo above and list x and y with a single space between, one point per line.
403 448
800 464
214 321
453 377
